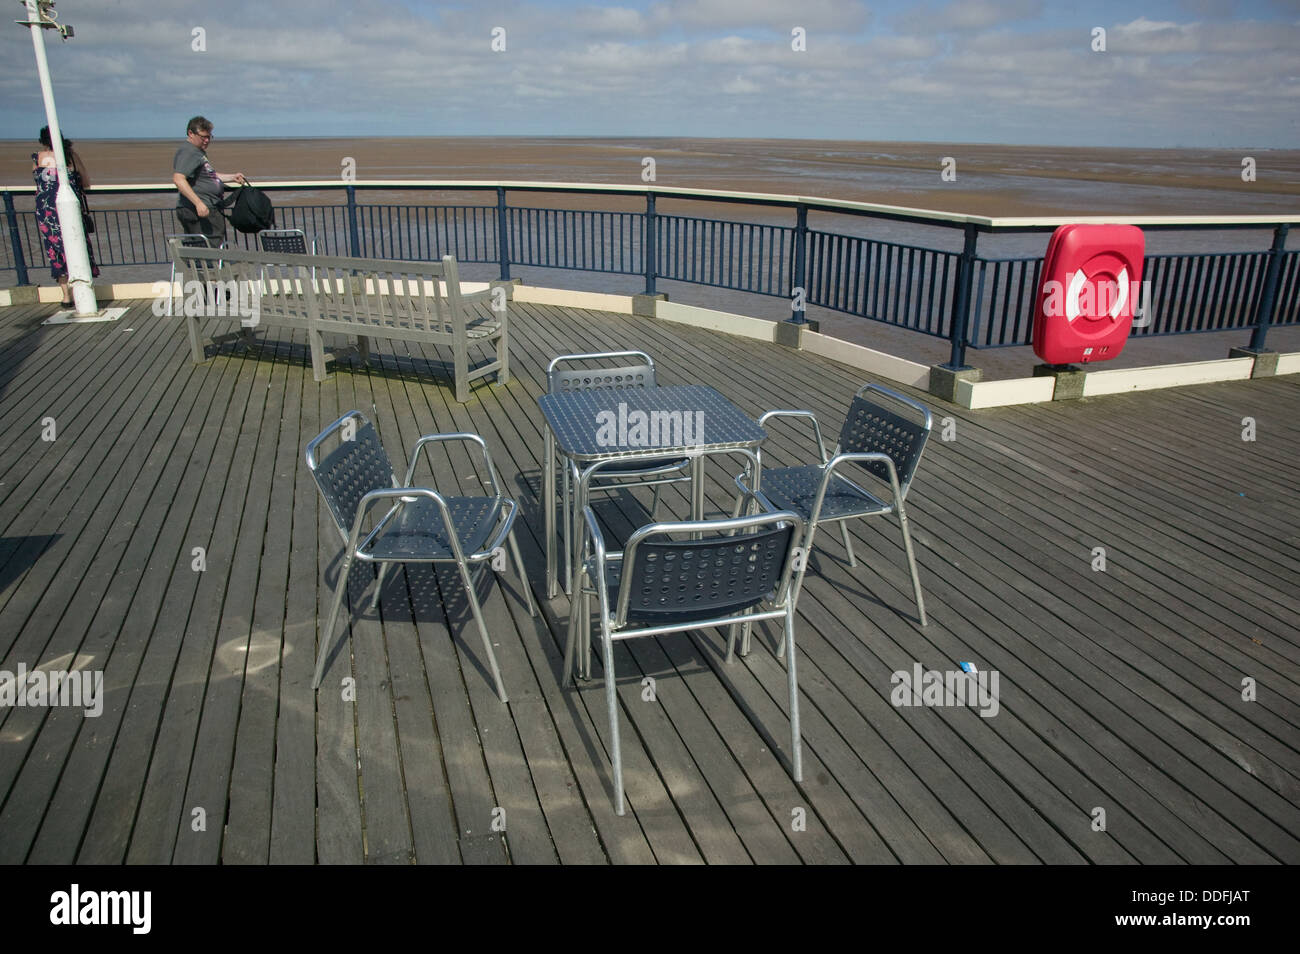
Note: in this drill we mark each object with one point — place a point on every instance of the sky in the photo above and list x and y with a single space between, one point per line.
1174 73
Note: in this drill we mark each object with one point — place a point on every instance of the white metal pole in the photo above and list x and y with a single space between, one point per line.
66 203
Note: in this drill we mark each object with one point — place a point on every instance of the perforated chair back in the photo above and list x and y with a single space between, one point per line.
872 428
680 580
560 380
289 241
351 470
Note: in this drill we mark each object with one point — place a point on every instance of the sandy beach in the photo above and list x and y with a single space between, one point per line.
982 179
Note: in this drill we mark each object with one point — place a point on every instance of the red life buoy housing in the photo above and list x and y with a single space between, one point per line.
1092 275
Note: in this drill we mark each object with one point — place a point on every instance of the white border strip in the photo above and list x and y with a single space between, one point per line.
740 325
911 373
566 298
1122 380
1288 363
982 394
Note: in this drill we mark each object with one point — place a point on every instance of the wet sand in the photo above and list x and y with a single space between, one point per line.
989 179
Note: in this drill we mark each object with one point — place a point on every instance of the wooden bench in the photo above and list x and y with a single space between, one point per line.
361 297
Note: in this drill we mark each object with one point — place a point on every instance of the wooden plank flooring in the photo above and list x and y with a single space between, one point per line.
171 537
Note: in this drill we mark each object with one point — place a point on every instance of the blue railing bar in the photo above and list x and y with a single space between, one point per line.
1268 296
15 239
800 277
961 307
354 236
650 242
503 236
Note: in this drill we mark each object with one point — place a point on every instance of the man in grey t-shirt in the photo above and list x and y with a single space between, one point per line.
200 186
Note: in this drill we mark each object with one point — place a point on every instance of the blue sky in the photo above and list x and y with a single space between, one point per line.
1189 73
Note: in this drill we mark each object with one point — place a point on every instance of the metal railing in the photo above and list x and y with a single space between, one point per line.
971 300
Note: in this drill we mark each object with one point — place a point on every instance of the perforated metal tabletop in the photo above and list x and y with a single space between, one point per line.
596 425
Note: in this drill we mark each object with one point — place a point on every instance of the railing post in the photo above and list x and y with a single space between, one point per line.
503 234
16 239
651 243
961 307
799 294
354 230
1268 296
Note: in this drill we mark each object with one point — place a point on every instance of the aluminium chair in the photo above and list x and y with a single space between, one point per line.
289 241
564 374
186 240
875 442
384 522
681 576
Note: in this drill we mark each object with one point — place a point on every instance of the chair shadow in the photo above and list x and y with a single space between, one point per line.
412 593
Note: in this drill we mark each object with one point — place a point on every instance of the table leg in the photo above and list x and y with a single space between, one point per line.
697 491
548 492
574 554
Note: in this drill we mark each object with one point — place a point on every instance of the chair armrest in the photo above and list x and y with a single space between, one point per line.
375 496
504 531
437 438
821 444
754 494
863 458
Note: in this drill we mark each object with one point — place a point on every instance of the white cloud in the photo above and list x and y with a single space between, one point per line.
842 16
740 87
968 15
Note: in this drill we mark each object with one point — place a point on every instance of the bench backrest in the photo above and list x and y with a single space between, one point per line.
425 296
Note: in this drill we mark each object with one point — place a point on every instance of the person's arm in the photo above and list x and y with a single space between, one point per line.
232 177
187 190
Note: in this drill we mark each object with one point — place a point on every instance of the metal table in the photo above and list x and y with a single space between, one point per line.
589 426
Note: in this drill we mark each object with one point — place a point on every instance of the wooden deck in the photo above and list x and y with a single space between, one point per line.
1120 690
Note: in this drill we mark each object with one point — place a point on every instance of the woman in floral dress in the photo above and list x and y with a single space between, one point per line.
46 173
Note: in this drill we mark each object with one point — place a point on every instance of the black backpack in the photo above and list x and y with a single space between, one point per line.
250 210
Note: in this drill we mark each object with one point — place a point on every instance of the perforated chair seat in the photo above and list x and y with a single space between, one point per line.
795 488
419 534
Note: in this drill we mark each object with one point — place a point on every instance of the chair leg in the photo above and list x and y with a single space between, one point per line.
796 752
523 580
611 704
848 544
797 584
379 585
654 506
482 629
571 635
911 563
567 536
584 630
329 629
